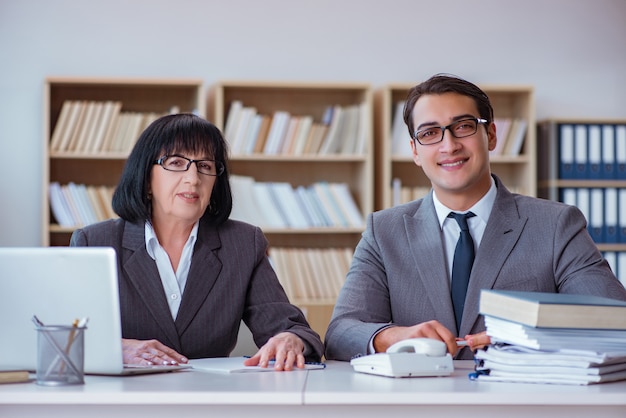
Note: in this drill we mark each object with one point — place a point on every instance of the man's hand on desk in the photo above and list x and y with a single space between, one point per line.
150 352
476 341
285 348
431 329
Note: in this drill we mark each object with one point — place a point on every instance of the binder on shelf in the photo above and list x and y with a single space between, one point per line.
581 162
620 152
621 267
610 215
611 259
594 145
568 196
582 202
608 152
621 206
566 151
596 222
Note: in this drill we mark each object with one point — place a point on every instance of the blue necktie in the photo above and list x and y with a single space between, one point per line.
462 265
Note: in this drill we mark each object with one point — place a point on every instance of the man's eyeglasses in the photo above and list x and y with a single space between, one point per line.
180 163
459 129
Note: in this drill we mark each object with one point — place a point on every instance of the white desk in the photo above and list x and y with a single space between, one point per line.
335 391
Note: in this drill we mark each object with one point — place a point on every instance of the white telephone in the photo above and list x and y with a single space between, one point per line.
413 357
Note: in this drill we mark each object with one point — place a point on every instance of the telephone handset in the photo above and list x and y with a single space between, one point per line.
427 346
408 358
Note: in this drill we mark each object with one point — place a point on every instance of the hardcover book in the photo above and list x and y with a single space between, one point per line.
554 310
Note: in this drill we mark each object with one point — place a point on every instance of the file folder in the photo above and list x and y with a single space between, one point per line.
594 145
581 162
566 151
608 152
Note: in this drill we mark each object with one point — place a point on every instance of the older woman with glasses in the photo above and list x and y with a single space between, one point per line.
188 275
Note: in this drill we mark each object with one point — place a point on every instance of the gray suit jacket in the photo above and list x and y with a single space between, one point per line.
230 279
399 274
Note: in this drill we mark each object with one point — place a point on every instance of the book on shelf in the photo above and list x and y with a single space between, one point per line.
109 111
254 127
332 141
400 138
329 204
277 131
302 134
515 138
14 376
349 133
315 138
83 135
280 205
555 310
311 274
286 147
77 126
347 206
232 121
247 122
61 125
111 128
60 209
503 128
259 141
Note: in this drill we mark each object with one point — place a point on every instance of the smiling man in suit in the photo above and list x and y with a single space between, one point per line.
406 279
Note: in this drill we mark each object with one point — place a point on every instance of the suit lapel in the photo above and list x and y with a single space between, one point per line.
426 244
501 234
204 271
144 276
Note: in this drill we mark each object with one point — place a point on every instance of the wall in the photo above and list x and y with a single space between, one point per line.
572 51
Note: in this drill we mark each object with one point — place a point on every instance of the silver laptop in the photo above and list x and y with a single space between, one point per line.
58 285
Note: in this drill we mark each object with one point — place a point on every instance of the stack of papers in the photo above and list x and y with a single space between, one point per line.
511 363
551 338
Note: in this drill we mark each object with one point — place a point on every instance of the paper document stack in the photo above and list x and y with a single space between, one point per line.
522 351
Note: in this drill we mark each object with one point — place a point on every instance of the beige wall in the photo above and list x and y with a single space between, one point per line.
572 51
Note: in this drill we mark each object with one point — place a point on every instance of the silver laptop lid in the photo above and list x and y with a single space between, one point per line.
60 284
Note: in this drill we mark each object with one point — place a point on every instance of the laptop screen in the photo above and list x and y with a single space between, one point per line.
59 285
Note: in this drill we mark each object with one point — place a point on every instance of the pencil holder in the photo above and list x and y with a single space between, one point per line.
60 355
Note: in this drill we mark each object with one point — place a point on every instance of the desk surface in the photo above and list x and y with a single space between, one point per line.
335 390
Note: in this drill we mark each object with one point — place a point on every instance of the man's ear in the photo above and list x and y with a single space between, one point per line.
416 157
492 138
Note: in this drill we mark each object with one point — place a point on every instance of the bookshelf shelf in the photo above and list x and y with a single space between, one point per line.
582 162
353 169
88 165
518 172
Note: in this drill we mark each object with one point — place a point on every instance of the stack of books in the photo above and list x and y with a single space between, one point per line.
552 338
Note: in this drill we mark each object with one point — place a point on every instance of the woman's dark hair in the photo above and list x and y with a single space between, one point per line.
172 134
445 83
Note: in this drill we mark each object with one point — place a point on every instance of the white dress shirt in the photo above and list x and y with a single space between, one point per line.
173 282
476 224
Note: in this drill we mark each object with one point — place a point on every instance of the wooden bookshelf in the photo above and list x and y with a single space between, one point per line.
102 168
554 181
354 169
518 172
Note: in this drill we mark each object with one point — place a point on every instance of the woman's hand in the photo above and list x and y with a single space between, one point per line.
150 352
285 348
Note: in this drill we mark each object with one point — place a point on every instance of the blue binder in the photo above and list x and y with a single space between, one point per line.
566 152
608 152
581 162
594 146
